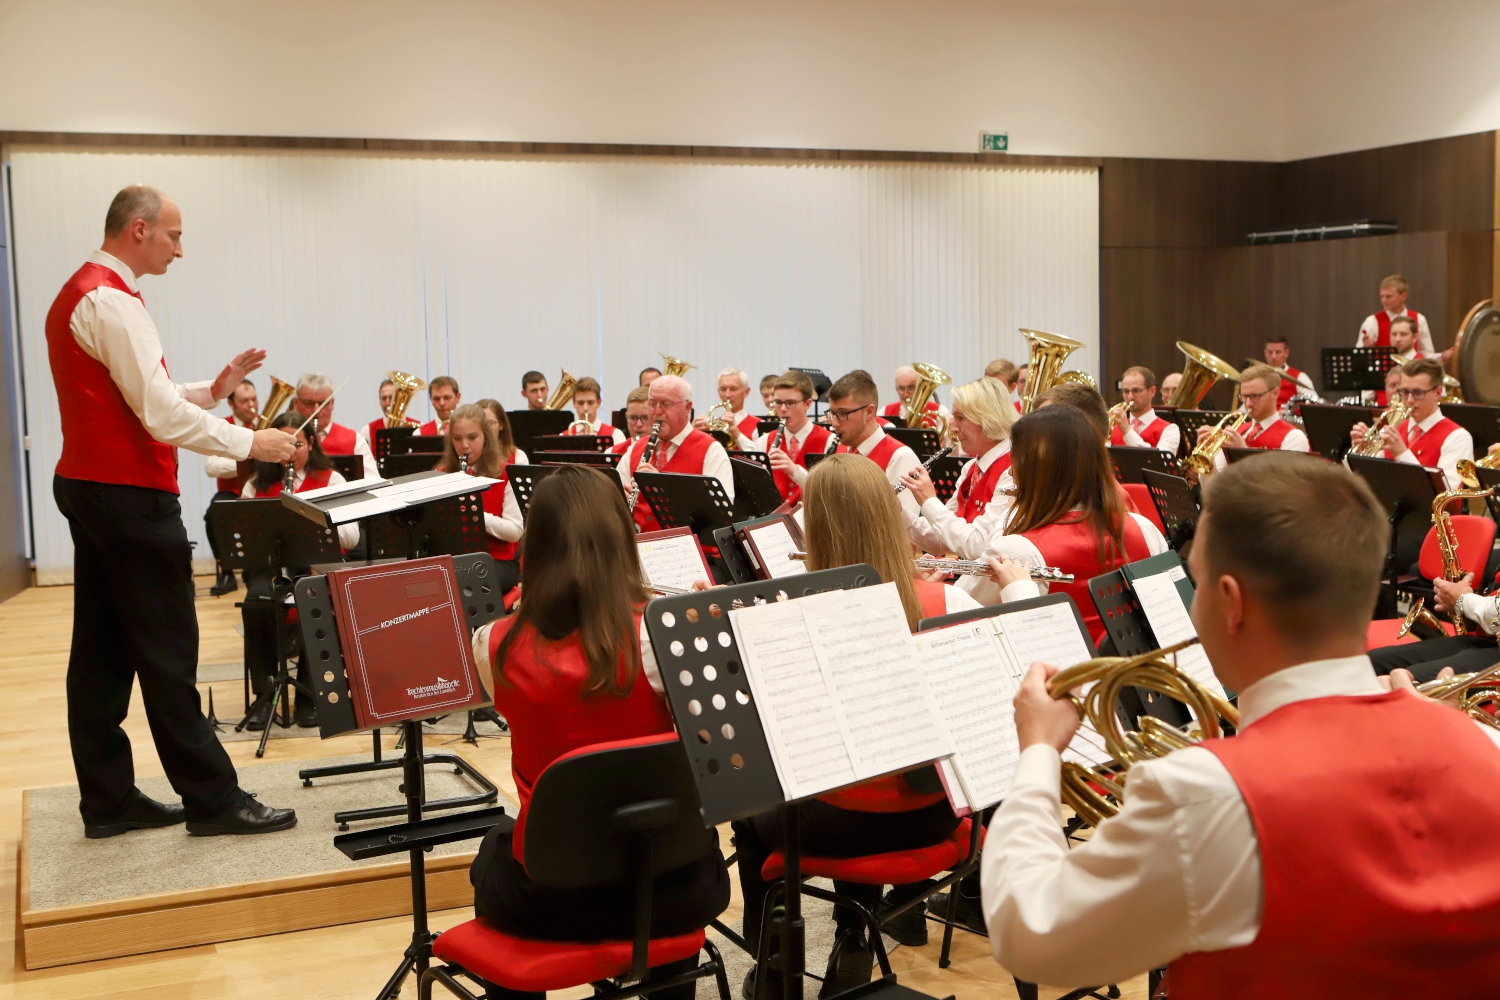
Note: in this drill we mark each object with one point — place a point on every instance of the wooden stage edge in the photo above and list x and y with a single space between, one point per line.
63 935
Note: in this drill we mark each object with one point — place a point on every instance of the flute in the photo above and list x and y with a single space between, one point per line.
927 465
979 567
666 591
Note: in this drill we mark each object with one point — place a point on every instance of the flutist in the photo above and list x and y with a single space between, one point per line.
1314 854
123 420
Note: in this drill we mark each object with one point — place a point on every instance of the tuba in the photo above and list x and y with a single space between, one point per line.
929 377
563 393
1202 371
1391 416
1048 350
676 366
1201 460
281 395
406 387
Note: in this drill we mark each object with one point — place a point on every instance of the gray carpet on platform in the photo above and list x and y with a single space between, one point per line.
217 673
65 868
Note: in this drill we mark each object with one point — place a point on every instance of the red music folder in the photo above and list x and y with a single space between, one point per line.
405 641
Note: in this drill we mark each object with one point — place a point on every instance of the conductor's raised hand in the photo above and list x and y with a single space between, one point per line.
920 484
1041 718
241 365
273 445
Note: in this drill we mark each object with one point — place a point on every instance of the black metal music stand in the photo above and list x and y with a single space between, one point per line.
760 458
391 443
922 440
410 464
1490 479
1176 504
755 492
1188 421
685 501
443 527
1327 426
1129 462
528 425
1406 493
1481 421
573 442
1356 369
351 467
596 459
944 475
259 535
1240 454
524 478
821 384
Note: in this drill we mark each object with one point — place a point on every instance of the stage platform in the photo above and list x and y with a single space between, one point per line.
154 890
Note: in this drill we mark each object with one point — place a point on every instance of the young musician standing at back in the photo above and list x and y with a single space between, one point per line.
1426 437
244 408
1138 426
443 394
1340 845
789 445
1376 329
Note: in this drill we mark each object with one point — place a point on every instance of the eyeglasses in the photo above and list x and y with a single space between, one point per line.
1135 392
1251 397
637 418
787 402
842 415
1416 394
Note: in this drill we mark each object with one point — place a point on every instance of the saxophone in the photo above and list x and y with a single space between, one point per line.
1447 540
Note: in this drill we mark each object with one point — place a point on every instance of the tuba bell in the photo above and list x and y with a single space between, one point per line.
1202 371
281 395
1048 350
929 377
676 366
563 393
406 387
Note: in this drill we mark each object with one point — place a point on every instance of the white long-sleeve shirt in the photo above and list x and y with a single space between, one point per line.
1177 871
113 328
1457 445
219 467
939 529
1023 550
1371 326
507 525
1295 440
348 533
1171 435
715 461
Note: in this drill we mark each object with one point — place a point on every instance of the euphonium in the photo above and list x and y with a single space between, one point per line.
1048 351
1202 371
1470 693
406 386
563 393
929 377
676 366
1372 445
1201 460
719 422
1110 675
1467 473
281 395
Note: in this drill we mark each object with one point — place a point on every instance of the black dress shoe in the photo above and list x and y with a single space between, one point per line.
908 928
850 963
244 817
142 814
306 716
226 584
259 717
775 985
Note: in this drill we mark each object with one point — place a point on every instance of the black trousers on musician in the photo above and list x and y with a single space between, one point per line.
133 616
259 621
1464 653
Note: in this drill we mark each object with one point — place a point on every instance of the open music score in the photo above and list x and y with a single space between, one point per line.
672 559
1167 613
772 546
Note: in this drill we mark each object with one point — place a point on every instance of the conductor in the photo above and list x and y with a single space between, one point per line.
123 420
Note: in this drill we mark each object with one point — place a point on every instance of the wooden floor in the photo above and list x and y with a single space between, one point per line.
348 961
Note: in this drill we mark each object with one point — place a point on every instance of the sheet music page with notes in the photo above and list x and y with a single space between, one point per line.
1052 634
1171 623
887 711
672 562
974 682
774 542
795 703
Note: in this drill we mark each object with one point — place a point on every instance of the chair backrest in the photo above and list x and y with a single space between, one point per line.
1476 536
1140 493
574 835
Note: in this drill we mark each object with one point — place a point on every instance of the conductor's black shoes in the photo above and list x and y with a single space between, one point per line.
245 816
142 814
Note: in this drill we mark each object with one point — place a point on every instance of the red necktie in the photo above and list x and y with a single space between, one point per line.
1413 435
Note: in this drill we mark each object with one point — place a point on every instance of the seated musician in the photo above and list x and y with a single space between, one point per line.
573 667
789 445
494 415
315 390
1459 653
1006 371
1403 338
982 421
1276 354
851 413
387 397
637 418
1138 426
1169 387
1069 513
230 476
647 376
1259 389
534 388
312 470
1085 399
851 517
586 401
1426 437
767 390
680 447
443 394
489 448
899 412
1340 846
734 389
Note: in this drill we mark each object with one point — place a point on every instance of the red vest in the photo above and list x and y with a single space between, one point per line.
686 459
894 409
541 697
315 479
1288 389
622 447
1074 548
976 491
880 454
103 440
749 426
1270 437
339 440
242 470
1429 444
376 425
604 430
429 429
1379 871
1151 433
493 500
1383 323
817 441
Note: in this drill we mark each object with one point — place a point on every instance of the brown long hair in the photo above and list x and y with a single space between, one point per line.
268 473
851 515
491 460
581 573
503 432
1063 476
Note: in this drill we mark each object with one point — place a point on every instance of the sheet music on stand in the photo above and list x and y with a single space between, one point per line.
1165 595
770 543
760 458
672 558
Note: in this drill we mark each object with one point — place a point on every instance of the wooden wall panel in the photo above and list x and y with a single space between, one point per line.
1182 203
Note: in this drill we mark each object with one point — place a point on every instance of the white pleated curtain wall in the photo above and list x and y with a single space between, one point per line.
484 268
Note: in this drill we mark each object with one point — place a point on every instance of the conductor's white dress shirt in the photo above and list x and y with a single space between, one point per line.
715 460
939 529
1177 871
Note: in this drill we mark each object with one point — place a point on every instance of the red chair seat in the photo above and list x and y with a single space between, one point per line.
533 966
1382 632
1475 536
1143 503
895 868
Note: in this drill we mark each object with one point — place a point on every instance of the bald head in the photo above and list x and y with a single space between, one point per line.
669 399
143 229
671 387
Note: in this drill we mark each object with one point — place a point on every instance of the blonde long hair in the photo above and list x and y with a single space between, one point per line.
851 515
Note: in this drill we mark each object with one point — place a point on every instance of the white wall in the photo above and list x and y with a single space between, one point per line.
483 268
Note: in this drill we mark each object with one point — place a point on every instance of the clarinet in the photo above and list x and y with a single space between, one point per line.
289 477
833 443
778 436
927 465
463 463
647 454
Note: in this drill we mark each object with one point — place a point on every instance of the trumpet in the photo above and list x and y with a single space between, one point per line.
562 394
406 386
1109 676
676 366
580 427
1469 693
1372 445
979 567
281 395
927 465
1201 460
1117 414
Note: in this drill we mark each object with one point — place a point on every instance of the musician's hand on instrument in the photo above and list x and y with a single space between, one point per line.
1393 442
1400 679
645 467
1041 718
701 423
1203 432
1357 433
1447 593
1493 448
1235 440
241 365
920 484
1008 571
274 444
781 461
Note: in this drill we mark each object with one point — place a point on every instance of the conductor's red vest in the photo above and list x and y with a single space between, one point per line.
977 490
1270 437
1151 433
1429 444
103 440
1074 548
687 458
1379 871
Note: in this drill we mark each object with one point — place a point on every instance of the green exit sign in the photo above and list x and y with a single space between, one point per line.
994 142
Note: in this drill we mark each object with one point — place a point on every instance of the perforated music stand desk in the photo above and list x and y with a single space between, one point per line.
596 459
1481 421
760 458
1176 505
686 501
442 527
524 478
944 475
755 492
922 440
1327 426
1129 461
573 442
1406 493
528 425
1130 634
1356 369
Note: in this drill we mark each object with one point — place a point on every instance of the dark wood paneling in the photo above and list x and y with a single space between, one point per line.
1182 203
